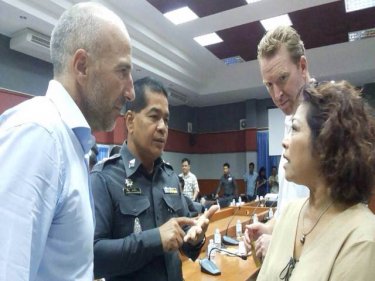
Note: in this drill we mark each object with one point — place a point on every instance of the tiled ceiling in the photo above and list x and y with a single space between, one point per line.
319 26
202 8
196 75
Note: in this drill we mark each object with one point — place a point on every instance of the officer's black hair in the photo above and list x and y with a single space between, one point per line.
140 87
226 165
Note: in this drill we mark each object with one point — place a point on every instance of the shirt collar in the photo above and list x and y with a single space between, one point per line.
131 163
70 114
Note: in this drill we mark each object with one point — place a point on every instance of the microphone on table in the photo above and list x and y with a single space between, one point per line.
270 197
209 267
256 208
227 240
262 204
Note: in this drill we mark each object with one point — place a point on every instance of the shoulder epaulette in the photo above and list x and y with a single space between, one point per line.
102 163
167 164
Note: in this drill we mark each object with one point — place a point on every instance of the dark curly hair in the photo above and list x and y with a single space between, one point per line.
343 137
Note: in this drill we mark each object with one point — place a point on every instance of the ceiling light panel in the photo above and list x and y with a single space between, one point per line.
252 1
361 34
181 15
233 60
208 39
355 5
274 22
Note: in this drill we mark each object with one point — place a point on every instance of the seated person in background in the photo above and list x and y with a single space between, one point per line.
250 178
330 235
228 183
261 183
273 181
193 208
191 188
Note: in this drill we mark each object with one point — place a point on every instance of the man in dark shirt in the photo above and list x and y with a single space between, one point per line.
141 215
228 183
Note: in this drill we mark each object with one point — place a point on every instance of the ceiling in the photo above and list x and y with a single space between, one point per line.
196 75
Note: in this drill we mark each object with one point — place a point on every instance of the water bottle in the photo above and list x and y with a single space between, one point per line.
261 201
238 229
210 252
270 214
217 238
241 247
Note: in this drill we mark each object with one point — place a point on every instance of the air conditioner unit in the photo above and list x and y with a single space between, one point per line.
243 124
177 98
32 43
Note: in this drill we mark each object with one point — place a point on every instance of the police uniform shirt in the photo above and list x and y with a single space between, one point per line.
229 184
130 205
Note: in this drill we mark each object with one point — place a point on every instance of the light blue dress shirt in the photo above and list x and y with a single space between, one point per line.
250 182
46 217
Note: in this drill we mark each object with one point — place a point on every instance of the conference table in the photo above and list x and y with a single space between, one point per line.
232 268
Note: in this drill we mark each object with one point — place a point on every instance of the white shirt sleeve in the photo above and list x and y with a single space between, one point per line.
28 195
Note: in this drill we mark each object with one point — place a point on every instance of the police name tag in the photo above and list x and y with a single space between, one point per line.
170 190
132 190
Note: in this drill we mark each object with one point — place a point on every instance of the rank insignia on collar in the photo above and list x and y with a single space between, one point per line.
170 190
132 163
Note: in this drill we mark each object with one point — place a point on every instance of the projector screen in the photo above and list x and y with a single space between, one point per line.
276 131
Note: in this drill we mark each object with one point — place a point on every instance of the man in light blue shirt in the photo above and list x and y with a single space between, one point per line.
46 207
250 179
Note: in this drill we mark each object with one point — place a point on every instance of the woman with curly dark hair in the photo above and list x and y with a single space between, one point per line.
331 150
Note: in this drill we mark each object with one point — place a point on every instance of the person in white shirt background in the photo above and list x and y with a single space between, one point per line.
191 183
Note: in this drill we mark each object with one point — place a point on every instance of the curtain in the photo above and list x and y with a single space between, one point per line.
103 151
263 158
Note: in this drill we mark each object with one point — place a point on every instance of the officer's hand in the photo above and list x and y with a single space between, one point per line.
196 233
171 233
